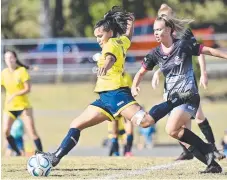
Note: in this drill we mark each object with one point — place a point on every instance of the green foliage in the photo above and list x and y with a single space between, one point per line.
20 18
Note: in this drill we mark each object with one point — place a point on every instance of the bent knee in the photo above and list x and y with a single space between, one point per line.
172 132
6 132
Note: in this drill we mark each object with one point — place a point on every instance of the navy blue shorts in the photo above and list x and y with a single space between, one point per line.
191 107
19 142
15 114
111 103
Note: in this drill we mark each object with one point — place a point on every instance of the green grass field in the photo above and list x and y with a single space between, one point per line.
56 105
114 168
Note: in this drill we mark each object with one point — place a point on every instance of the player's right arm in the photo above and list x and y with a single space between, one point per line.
155 78
136 81
148 64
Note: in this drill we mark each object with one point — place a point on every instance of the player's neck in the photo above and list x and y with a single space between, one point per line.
168 42
11 69
167 46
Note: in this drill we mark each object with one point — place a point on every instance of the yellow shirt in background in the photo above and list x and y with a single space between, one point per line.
113 79
14 82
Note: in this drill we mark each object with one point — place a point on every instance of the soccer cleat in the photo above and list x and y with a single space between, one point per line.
51 156
184 97
115 154
213 168
185 156
217 154
209 155
128 154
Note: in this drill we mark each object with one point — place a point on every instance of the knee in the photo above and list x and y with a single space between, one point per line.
142 119
6 132
172 132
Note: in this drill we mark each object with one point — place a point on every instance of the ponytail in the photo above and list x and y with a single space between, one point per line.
178 25
116 20
18 62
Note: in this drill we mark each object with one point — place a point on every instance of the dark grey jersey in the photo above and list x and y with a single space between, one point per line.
176 66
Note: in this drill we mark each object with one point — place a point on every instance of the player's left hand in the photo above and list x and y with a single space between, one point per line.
101 71
203 81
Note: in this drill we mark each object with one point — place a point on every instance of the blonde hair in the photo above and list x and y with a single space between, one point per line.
167 14
165 9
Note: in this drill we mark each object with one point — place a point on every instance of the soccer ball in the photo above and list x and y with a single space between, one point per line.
39 165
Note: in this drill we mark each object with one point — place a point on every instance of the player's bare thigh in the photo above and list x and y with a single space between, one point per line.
89 117
176 121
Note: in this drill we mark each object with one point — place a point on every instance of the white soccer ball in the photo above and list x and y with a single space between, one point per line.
96 56
39 165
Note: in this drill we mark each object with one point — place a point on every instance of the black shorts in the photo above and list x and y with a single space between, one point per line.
15 114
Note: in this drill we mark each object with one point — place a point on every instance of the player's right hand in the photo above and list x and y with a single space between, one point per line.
135 91
155 80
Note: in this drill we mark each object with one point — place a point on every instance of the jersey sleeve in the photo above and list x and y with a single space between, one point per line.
149 62
24 75
193 48
2 79
111 49
126 42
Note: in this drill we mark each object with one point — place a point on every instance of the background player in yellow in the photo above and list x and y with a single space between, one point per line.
16 81
118 127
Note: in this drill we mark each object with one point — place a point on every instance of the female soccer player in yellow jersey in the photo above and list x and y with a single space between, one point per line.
16 81
113 34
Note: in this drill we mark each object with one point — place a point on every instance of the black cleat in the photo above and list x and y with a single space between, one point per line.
51 156
185 156
213 168
218 155
209 155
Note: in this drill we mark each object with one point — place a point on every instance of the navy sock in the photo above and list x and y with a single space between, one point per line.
115 145
129 143
13 145
68 143
207 131
38 144
160 110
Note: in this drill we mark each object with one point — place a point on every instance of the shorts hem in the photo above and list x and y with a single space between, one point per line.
122 108
104 112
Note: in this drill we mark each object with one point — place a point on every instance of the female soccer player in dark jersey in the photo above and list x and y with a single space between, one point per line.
174 58
114 34
201 120
16 81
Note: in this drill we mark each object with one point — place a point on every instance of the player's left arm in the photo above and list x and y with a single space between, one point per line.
109 61
213 52
203 74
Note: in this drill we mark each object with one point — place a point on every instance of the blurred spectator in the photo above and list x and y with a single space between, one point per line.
224 143
146 137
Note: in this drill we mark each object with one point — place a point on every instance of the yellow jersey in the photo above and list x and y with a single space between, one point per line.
14 82
127 78
113 78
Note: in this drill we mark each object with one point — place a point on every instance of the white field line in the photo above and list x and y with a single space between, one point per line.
124 174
